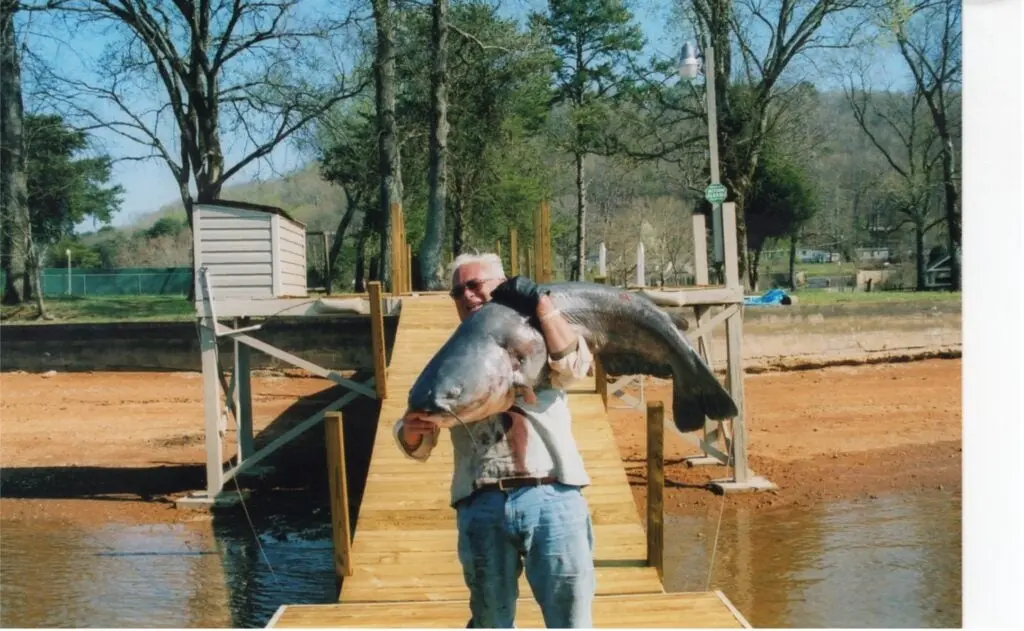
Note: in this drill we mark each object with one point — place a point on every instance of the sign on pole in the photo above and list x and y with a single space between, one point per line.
715 193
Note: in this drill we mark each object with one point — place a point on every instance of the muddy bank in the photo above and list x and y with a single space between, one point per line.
844 432
75 441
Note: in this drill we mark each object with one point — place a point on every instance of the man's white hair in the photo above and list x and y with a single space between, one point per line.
490 261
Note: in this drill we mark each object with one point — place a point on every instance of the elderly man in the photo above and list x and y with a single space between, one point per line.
516 490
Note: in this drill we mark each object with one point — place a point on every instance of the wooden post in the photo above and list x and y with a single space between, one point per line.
408 268
656 486
549 269
544 270
397 251
513 251
335 440
380 365
733 341
601 381
601 280
327 264
531 268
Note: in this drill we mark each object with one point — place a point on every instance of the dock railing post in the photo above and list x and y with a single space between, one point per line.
380 366
342 531
656 486
513 251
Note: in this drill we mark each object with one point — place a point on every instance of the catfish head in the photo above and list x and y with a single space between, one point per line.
493 355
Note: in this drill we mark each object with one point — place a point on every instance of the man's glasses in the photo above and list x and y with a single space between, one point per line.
473 285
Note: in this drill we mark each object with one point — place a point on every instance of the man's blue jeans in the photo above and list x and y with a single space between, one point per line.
546 526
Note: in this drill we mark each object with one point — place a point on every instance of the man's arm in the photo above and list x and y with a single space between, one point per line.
569 357
415 437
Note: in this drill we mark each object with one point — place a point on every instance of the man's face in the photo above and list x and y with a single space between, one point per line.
472 285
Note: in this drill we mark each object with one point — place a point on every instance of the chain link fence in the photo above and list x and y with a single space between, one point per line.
139 281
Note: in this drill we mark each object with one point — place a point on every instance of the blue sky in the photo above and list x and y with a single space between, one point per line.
149 184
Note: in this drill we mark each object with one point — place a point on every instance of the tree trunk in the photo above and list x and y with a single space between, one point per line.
35 278
15 223
431 275
387 126
952 195
792 262
339 239
755 262
579 266
458 220
360 270
919 253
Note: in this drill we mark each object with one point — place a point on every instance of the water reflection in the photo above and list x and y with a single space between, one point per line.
890 562
182 575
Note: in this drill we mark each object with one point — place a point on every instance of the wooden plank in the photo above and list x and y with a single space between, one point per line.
693 610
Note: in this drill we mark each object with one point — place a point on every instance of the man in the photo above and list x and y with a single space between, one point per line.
517 490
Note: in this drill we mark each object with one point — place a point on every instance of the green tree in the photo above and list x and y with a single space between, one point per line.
594 43
64 190
779 202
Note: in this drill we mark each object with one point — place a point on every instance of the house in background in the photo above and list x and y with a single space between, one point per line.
879 254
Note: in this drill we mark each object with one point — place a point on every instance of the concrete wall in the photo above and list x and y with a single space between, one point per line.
336 343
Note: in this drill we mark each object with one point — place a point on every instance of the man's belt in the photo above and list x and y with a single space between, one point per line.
505 484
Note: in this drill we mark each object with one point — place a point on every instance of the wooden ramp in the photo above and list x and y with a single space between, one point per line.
405 569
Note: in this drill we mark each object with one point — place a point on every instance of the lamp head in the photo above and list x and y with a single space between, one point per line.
689 65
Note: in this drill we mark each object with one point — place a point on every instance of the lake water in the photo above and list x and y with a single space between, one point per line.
890 562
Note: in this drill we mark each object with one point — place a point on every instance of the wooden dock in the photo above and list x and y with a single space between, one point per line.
405 569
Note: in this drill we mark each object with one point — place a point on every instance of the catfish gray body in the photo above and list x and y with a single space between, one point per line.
497 351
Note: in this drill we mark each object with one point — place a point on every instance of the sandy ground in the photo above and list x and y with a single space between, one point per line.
115 446
838 432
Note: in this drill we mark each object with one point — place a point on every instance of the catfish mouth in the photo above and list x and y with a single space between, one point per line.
492 401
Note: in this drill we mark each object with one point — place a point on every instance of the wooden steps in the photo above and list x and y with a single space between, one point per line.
404 549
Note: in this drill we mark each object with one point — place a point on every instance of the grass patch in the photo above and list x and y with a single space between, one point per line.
825 297
104 309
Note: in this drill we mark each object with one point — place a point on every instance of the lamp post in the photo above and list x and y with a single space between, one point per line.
689 68
68 253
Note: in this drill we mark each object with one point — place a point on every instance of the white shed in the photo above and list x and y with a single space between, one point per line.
249 250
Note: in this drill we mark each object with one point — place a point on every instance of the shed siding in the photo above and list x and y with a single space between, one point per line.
239 245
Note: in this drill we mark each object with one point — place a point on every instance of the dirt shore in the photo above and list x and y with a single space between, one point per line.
114 446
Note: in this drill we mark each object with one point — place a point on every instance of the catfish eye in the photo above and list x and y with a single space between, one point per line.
453 392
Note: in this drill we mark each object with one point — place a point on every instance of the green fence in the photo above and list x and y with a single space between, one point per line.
125 281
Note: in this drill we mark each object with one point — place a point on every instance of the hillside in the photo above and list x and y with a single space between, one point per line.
302 193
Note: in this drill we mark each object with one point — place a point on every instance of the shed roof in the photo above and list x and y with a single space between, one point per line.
230 203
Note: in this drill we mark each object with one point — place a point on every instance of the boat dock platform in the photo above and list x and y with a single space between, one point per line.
405 570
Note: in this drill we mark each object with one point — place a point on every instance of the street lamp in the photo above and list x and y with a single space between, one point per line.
68 253
689 68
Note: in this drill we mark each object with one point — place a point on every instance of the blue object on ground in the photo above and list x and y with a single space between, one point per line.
770 297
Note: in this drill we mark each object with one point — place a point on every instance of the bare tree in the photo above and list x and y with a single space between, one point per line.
387 127
247 73
928 34
16 232
437 176
18 249
912 147
770 37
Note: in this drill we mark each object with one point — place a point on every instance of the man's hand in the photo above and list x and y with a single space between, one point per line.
519 293
414 428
